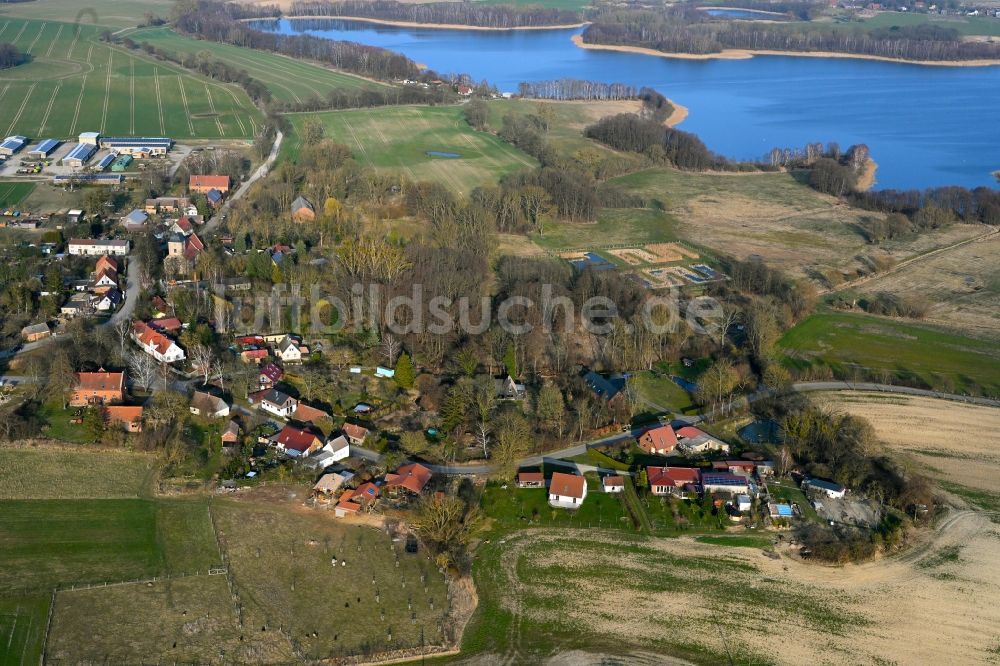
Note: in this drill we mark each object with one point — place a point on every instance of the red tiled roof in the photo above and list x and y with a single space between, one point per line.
413 477
147 336
672 476
567 485
690 432
124 414
530 477
214 182
166 324
308 414
355 431
105 262
658 439
296 439
614 481
100 381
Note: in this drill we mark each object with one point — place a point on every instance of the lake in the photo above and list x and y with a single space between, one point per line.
925 126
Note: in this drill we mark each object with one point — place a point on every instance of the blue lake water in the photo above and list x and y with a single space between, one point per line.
925 126
745 14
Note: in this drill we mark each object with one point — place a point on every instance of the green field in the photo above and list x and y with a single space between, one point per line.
902 351
76 83
398 138
288 79
614 226
112 13
966 25
67 473
11 194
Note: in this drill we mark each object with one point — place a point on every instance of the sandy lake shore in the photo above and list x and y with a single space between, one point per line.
743 54
439 26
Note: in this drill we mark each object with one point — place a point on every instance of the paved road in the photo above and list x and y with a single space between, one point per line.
553 457
261 171
132 289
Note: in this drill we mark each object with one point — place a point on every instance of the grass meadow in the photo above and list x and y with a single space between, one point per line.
12 194
111 13
398 139
73 473
901 351
288 79
76 83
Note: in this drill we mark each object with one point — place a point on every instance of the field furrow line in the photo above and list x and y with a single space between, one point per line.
159 99
357 141
72 45
184 101
107 91
4 91
37 37
378 130
131 92
253 65
24 104
211 106
79 102
4 28
48 109
55 39
19 33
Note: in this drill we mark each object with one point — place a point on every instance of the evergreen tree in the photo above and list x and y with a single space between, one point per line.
405 374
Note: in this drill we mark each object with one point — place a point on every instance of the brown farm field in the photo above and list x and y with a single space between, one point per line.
961 285
775 217
710 603
957 443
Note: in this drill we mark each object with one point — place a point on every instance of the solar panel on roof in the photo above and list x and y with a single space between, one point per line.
106 160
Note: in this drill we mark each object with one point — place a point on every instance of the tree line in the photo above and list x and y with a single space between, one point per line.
216 22
936 206
11 57
565 89
660 144
681 30
455 13
803 11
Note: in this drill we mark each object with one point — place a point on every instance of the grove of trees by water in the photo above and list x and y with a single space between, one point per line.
684 30
576 89
455 13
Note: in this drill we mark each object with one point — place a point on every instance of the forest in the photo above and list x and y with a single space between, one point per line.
684 30
457 13
10 56
565 89
216 22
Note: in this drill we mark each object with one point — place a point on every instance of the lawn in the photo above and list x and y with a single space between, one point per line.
660 391
73 473
76 83
901 351
966 25
44 543
614 226
288 79
380 598
788 493
399 138
184 529
22 629
11 194
515 508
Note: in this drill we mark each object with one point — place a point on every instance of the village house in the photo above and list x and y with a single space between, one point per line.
203 184
167 205
326 488
230 434
182 226
105 264
110 300
613 483
128 417
303 210
567 491
356 500
136 220
828 488
98 388
274 402
296 442
673 480
269 375
339 447
208 405
658 441
156 344
290 350
166 324
508 389
691 441
104 281
530 480
35 332
91 247
77 305
716 482
412 478
307 414
214 197
608 389
355 434
254 355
